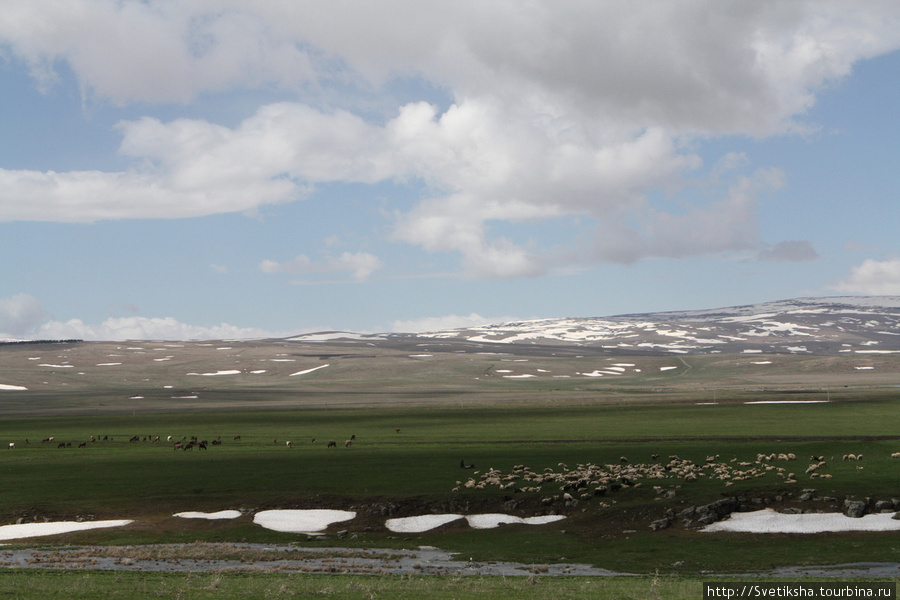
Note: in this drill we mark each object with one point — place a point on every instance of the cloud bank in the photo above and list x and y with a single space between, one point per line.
580 110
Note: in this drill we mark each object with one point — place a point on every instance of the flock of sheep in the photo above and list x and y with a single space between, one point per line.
588 480
183 443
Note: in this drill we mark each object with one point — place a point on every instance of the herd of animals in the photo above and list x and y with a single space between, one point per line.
589 480
184 443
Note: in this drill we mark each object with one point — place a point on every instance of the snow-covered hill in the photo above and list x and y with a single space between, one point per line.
849 324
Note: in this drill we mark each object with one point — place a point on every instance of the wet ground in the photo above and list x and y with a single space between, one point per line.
425 560
272 558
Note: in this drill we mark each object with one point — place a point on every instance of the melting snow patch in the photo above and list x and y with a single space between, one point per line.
762 362
55 366
423 523
863 368
788 402
222 514
231 372
108 364
4 386
419 524
667 368
301 521
307 371
27 530
770 521
525 376
490 521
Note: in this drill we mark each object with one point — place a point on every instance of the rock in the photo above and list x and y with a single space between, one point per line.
791 511
807 496
884 506
854 508
342 534
688 512
660 524
708 518
896 516
670 494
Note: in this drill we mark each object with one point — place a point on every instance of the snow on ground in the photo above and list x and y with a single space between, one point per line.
420 523
787 402
490 521
228 372
26 530
667 368
525 376
55 366
770 521
4 386
307 371
108 364
423 523
222 514
310 521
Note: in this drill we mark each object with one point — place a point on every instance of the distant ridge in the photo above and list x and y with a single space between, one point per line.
831 325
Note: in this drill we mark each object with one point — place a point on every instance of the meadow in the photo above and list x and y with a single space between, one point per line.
412 425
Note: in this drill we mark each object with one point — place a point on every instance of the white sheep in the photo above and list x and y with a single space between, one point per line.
12 445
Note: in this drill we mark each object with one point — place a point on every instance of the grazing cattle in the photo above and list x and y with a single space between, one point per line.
347 444
353 437
134 438
216 442
189 446
332 444
12 445
61 445
177 445
397 430
237 438
288 444
893 454
202 445
82 445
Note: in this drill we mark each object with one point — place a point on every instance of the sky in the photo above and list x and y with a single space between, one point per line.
208 169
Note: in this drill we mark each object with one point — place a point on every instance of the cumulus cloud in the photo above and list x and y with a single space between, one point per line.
556 110
873 277
360 264
142 328
19 314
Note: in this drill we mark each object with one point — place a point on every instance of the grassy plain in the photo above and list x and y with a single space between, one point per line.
415 413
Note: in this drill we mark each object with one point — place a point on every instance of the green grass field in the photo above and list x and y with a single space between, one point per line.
406 456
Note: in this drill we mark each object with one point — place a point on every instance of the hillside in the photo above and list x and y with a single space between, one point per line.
818 326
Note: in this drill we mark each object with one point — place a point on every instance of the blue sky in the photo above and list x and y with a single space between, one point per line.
199 169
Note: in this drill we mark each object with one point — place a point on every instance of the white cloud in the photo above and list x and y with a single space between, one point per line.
873 277
360 264
558 109
747 67
143 328
446 322
19 314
